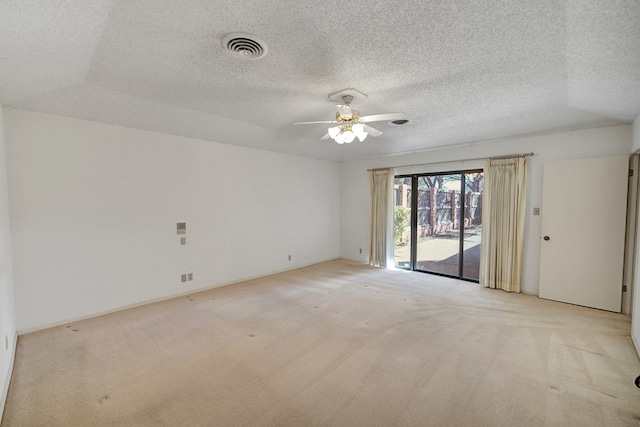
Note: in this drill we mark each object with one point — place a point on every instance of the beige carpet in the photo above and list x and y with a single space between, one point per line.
336 344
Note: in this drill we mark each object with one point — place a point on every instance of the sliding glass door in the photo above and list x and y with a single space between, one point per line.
438 226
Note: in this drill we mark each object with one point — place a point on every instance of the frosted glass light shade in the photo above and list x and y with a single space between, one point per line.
349 136
334 131
357 128
340 138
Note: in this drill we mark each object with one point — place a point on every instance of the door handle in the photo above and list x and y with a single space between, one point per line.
547 238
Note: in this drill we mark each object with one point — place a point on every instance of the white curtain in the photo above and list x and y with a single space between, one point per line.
503 215
381 251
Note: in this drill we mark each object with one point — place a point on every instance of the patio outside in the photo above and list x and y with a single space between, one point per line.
440 253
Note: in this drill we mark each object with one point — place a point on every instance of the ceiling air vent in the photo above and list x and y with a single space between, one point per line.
244 45
399 122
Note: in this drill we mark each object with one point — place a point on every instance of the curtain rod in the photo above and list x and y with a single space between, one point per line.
507 156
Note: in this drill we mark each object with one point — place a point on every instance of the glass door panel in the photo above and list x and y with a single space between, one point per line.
472 224
438 244
402 222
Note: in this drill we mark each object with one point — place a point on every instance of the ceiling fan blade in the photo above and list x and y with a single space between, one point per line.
372 131
326 136
314 123
383 117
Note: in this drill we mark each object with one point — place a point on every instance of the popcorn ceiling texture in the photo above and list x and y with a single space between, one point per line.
461 71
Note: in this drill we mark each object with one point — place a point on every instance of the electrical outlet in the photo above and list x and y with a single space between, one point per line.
183 241
183 278
190 276
289 257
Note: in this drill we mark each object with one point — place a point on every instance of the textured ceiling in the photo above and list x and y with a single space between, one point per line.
461 70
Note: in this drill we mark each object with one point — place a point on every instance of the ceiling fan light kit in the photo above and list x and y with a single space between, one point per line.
349 125
347 133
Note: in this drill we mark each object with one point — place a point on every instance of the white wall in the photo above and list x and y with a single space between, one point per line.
94 209
355 199
7 314
635 307
636 135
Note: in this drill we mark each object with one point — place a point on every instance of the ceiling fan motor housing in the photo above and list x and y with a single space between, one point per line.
355 95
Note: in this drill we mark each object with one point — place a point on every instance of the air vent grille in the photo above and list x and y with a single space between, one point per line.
399 122
244 46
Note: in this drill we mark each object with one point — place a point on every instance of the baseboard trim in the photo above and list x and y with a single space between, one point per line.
7 382
636 344
166 298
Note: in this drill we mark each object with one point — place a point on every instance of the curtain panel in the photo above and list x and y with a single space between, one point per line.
503 217
381 249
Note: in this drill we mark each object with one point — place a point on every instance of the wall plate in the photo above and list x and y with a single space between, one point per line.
181 227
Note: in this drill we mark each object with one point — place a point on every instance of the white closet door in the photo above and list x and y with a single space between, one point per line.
583 230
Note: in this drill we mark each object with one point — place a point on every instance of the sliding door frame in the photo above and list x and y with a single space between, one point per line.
414 220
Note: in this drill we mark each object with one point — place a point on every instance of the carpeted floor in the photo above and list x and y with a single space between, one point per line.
336 344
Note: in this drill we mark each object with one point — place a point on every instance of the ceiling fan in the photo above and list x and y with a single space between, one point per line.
349 124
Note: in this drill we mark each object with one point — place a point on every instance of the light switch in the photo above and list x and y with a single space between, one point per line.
182 228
